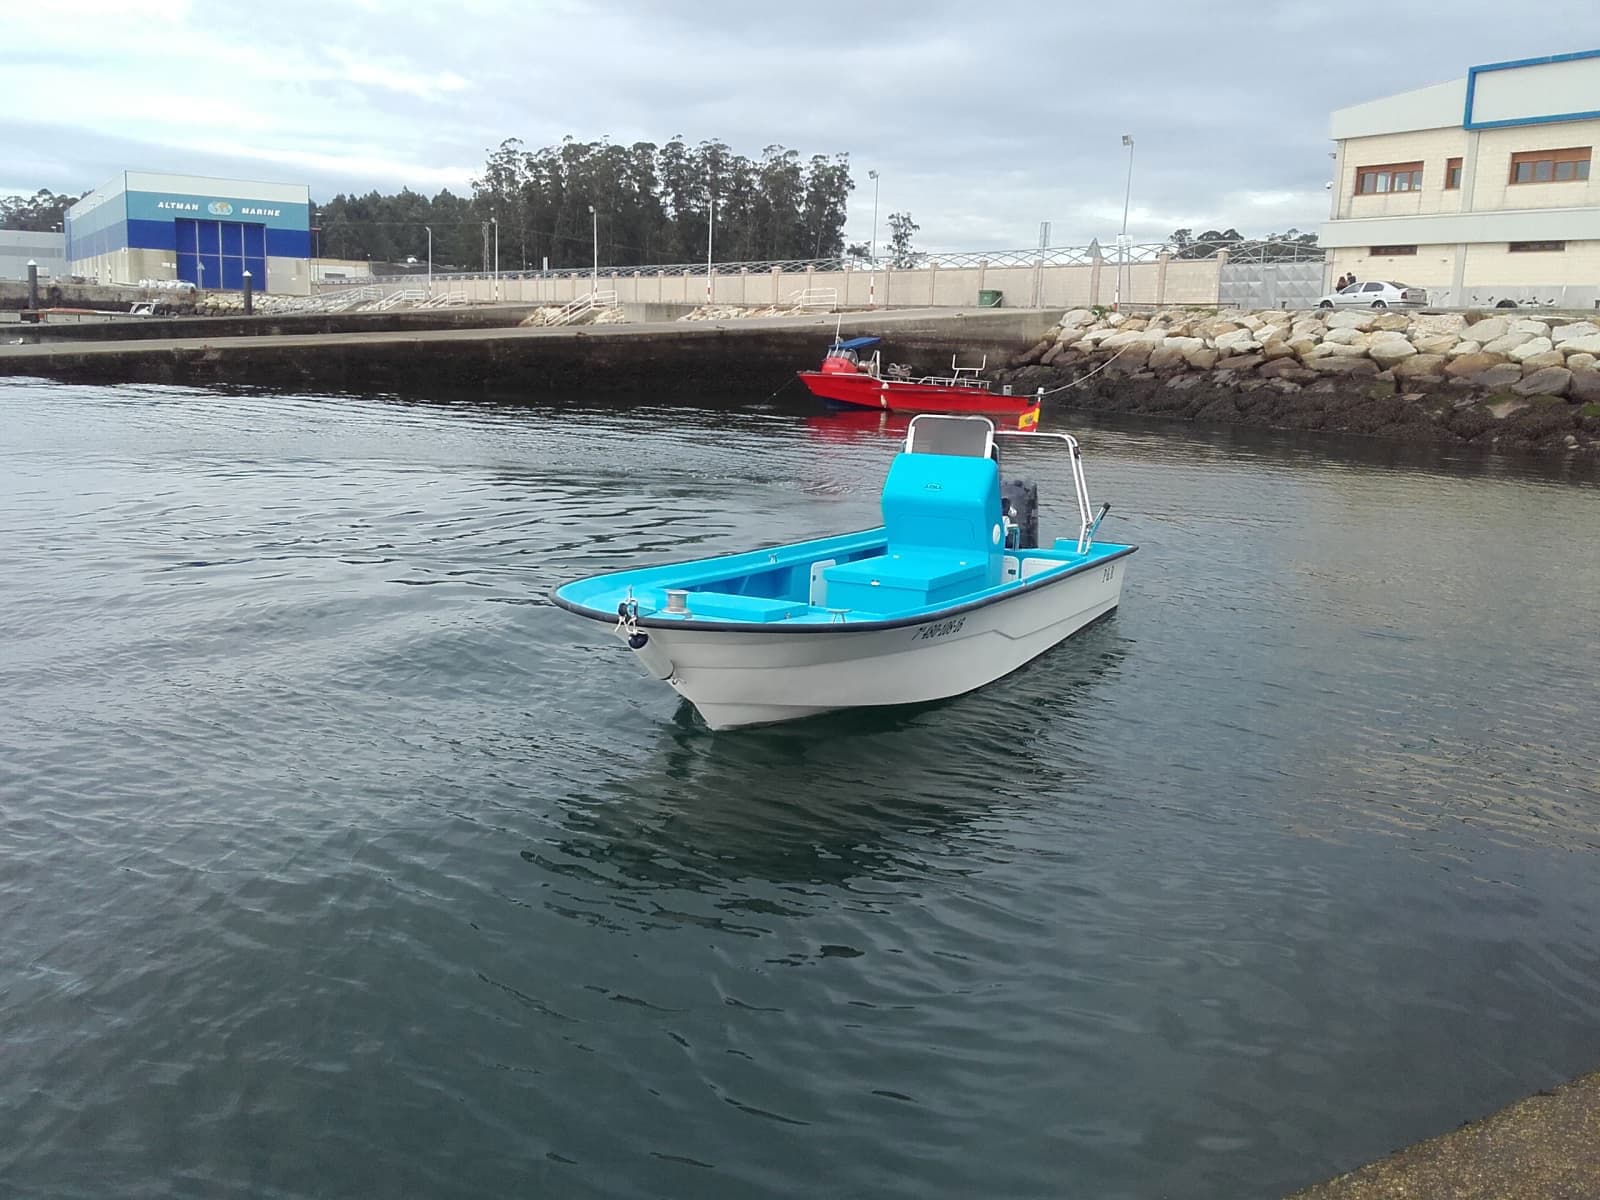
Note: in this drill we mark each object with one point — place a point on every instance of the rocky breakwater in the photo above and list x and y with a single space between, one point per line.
1525 383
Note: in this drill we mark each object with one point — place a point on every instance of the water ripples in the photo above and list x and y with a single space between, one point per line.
337 861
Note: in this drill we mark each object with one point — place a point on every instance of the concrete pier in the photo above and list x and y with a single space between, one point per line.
1546 1147
634 359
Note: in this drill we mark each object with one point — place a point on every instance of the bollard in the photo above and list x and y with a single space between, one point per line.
249 296
33 285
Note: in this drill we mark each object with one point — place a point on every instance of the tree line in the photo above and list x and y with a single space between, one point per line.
1274 247
42 212
633 205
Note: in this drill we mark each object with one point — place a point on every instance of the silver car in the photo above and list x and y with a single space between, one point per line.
1376 294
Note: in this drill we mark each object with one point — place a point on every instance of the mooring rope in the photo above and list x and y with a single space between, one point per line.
1090 375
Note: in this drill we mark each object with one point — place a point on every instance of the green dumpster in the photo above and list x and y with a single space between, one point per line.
988 298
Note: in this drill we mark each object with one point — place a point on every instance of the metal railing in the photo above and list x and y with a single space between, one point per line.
585 304
396 299
454 298
1108 254
814 298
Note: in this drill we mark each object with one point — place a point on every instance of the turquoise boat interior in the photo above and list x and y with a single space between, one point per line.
954 536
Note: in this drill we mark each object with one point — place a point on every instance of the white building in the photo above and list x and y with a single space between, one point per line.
1478 189
47 251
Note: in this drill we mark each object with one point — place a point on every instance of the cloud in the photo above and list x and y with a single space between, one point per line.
982 121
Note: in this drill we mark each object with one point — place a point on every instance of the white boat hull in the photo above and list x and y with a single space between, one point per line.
754 676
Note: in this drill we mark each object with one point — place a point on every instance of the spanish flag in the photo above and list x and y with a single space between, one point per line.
1029 419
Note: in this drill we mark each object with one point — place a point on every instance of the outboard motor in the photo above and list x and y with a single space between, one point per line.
1020 499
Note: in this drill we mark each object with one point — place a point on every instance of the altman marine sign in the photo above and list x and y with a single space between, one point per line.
152 206
218 208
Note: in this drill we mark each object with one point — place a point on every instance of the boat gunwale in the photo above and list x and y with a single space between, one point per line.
835 628
880 383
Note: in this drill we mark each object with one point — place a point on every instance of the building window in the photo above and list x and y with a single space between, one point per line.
1534 247
1390 251
1452 173
1550 166
1391 177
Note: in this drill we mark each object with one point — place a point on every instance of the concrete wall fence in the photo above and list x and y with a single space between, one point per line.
1165 281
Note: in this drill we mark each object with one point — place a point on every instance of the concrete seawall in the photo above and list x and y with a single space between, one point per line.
713 358
138 329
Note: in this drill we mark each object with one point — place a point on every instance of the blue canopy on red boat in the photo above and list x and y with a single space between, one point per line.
855 343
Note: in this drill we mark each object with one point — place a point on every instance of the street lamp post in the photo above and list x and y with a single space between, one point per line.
711 230
594 280
1122 240
872 248
429 228
496 222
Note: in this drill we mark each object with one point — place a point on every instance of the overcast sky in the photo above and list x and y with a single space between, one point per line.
983 119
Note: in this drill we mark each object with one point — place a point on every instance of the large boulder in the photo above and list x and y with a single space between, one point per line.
1077 317
1440 323
1034 352
1215 327
1202 359
1574 329
1501 376
1237 341
1133 355
1529 348
1336 350
1420 366
1343 335
1393 321
1343 364
1585 386
1580 362
1466 347
1434 343
1183 344
1507 342
1287 368
1240 362
1386 351
1346 319
1537 362
1120 338
1589 343
1529 325
1552 381
1168 358
1275 347
1484 332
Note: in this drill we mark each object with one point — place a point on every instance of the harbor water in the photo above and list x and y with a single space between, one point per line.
336 861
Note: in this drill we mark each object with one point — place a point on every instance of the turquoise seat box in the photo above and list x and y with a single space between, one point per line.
892 582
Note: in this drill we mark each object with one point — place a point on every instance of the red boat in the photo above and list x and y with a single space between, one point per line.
845 379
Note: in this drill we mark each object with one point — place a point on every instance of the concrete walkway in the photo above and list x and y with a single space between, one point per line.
1011 325
1546 1147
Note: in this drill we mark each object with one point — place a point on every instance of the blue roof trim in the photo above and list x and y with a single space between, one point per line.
1472 86
855 343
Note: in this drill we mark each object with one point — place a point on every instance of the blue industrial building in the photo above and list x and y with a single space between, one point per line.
142 227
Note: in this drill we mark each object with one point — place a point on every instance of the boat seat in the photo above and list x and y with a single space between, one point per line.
905 579
726 606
